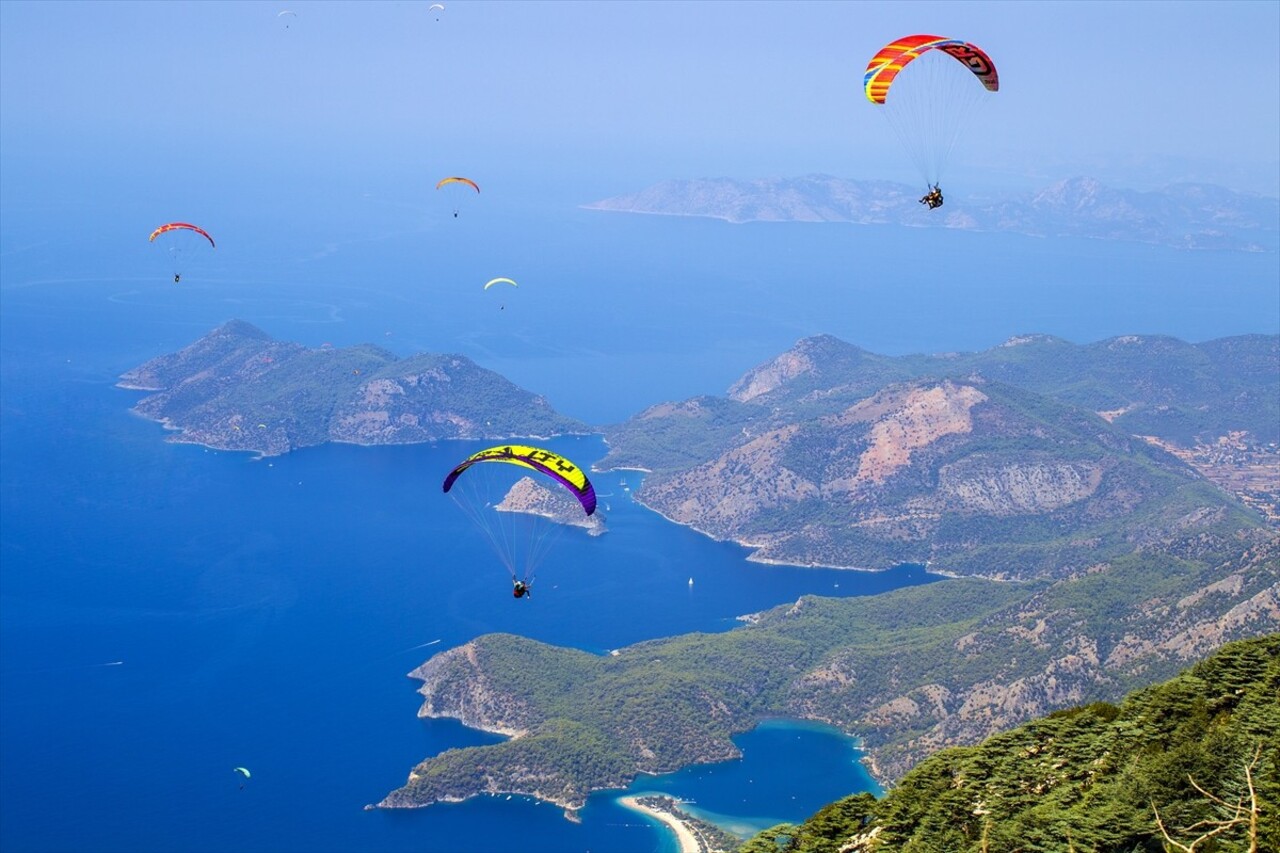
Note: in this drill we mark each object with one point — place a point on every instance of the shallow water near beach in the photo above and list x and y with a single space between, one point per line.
788 768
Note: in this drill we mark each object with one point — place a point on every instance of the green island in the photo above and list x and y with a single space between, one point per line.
237 388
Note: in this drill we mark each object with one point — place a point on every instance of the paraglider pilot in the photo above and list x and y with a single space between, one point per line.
933 198
177 277
520 590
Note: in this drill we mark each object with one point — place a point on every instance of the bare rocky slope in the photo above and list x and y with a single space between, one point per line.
829 455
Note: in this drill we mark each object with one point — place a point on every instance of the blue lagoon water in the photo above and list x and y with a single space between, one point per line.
171 612
787 768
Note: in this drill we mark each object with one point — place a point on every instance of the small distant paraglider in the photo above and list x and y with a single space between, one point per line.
438 8
181 242
285 15
491 282
244 773
444 182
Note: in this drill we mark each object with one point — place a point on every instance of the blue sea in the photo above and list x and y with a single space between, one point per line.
169 612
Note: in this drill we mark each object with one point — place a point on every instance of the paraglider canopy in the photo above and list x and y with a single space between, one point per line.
522 505
553 465
180 246
494 281
175 226
928 88
883 68
456 180
241 770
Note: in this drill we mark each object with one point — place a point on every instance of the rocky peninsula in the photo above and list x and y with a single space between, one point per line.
693 835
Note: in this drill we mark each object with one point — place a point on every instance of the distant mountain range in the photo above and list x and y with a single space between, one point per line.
237 388
1188 216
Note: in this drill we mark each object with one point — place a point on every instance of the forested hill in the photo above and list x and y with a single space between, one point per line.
1034 458
237 388
911 671
1192 764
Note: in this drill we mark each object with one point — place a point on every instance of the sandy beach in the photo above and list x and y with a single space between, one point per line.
688 841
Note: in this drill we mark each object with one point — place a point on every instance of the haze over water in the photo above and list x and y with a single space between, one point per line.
265 612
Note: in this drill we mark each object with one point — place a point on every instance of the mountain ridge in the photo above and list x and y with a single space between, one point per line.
1187 216
1040 449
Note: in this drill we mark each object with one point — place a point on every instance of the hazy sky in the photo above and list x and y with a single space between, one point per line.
611 96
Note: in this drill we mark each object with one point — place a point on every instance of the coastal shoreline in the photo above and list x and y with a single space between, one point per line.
688 841
754 547
769 561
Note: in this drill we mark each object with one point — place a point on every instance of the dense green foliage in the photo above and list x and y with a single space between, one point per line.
669 703
297 392
1179 391
1092 778
562 761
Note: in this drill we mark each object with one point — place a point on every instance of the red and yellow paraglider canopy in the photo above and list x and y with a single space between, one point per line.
181 226
928 87
444 182
883 68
